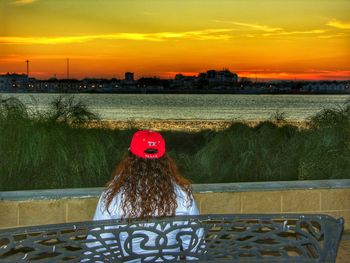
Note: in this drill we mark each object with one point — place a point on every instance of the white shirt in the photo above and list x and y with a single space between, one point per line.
184 207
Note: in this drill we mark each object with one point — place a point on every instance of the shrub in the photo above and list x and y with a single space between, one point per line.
56 149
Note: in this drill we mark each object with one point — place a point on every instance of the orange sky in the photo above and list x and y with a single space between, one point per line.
289 39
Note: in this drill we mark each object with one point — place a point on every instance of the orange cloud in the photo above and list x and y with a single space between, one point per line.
23 2
333 35
271 31
338 24
252 26
286 33
205 34
302 75
172 74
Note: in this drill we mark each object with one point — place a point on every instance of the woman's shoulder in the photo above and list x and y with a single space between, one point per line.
186 203
182 195
115 201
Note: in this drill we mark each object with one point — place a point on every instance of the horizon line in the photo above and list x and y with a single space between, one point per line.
173 77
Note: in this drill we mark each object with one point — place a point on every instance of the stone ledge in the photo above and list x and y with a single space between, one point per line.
198 188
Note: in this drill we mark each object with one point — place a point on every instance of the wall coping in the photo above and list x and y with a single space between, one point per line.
197 188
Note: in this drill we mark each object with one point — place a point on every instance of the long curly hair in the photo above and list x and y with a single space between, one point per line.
147 186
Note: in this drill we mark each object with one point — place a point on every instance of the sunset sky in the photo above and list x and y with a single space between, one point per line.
274 39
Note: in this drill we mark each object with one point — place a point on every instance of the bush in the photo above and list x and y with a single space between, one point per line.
44 151
57 149
332 118
242 153
326 153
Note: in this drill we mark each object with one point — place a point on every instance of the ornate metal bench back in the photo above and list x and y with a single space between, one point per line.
294 238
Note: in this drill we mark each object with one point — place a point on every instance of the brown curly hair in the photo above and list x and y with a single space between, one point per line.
147 186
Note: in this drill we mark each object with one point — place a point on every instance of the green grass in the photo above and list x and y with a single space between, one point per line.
56 149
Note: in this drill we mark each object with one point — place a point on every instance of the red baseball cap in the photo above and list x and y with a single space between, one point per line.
147 144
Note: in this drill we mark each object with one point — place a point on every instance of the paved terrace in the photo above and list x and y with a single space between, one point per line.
332 197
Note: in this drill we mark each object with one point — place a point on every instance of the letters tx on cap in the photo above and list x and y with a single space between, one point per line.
147 144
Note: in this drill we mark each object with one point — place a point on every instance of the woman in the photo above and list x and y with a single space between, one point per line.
145 184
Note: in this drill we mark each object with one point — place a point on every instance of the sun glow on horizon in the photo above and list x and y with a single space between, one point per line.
256 39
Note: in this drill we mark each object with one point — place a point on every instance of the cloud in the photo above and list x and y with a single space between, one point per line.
206 34
268 31
333 35
318 32
264 28
286 33
23 2
338 24
22 58
292 75
172 74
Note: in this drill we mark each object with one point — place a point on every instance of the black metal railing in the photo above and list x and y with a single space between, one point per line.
216 238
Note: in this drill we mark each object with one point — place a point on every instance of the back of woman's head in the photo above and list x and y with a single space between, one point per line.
146 179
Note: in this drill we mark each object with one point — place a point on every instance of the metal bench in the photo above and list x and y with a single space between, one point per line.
213 238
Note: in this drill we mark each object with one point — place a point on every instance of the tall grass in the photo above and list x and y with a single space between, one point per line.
326 151
57 149
54 149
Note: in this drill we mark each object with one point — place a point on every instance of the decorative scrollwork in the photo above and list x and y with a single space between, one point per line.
206 238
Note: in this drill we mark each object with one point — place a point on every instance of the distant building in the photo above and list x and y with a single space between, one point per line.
129 81
184 82
327 87
218 79
55 85
221 76
14 82
150 83
129 76
211 74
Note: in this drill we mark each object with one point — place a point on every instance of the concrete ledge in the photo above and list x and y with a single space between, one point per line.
273 186
198 188
332 197
51 194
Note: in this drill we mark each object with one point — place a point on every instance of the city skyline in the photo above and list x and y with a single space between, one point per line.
293 40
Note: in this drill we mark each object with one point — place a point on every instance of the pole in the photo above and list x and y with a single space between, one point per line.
27 62
67 68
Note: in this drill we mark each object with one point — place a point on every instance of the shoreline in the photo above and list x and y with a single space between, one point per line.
185 125
186 92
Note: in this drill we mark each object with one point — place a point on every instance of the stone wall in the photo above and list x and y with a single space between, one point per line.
332 197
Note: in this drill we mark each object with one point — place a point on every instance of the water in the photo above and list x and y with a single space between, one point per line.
195 106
